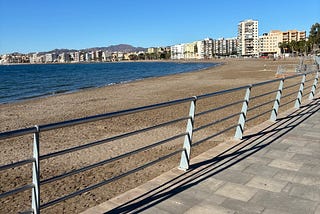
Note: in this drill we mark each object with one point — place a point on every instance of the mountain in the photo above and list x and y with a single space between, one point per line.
112 48
117 48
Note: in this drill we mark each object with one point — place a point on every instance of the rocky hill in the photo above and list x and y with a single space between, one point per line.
112 48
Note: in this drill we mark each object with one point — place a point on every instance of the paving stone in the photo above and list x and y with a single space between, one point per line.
175 205
300 150
312 134
310 169
279 146
306 192
210 185
314 145
195 193
306 159
242 207
295 141
277 154
288 187
317 210
233 176
317 126
297 177
283 202
288 165
257 169
154 210
240 166
206 208
258 160
236 191
268 184
273 211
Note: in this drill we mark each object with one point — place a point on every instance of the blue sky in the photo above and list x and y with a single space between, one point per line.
43 25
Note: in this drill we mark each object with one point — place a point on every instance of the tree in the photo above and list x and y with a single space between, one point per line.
285 47
314 36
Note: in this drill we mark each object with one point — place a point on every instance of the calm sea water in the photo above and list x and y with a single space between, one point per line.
19 82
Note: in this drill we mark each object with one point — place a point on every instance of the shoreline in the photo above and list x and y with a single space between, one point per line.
62 91
176 86
105 100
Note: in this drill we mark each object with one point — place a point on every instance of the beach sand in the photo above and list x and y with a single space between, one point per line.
233 73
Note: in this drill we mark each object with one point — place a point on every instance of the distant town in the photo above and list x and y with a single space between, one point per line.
248 43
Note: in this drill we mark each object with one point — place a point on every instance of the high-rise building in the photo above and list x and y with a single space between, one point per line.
293 35
208 46
225 46
248 40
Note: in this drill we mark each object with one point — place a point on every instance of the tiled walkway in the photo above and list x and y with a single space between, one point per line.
274 169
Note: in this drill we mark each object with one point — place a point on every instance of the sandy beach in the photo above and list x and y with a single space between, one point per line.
232 73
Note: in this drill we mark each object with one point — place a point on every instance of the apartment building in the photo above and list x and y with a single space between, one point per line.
225 46
269 43
177 51
248 38
293 35
208 48
190 51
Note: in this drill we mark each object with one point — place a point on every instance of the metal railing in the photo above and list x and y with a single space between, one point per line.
188 135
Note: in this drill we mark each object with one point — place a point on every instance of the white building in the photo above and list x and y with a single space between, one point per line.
76 56
248 38
200 49
208 48
177 51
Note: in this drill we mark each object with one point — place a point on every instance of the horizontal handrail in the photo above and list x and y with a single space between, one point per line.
214 135
262 95
290 94
222 92
267 82
16 164
17 190
92 187
118 137
17 133
260 105
83 169
291 86
310 80
290 101
219 108
216 122
258 115
112 114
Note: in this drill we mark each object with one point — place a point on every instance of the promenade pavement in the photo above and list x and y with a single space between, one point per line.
274 169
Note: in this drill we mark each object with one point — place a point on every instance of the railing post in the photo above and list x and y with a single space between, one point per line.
36 173
297 104
314 86
243 114
275 109
185 155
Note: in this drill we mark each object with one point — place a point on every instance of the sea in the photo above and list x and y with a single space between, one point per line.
22 82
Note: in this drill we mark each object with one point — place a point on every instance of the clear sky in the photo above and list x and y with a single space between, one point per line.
43 25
